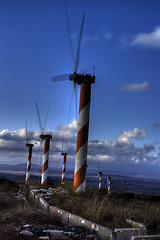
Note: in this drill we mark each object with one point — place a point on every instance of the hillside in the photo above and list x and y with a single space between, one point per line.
98 206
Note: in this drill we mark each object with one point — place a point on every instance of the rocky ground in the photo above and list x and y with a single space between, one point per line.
110 210
47 232
20 219
50 192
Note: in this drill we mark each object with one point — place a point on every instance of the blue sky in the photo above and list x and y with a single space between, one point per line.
121 38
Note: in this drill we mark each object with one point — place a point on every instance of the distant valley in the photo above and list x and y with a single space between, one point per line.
119 183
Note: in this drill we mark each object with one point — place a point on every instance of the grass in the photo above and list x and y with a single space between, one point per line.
98 206
112 210
16 211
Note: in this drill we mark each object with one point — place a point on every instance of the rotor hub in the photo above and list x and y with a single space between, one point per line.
64 154
82 78
45 136
29 145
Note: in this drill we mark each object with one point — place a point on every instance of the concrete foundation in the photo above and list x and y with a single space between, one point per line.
146 237
67 217
103 233
128 233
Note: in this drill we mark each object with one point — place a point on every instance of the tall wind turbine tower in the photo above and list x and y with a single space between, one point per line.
85 81
47 139
83 126
30 146
64 167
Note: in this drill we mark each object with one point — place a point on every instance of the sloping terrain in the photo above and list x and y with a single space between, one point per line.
110 210
16 211
20 219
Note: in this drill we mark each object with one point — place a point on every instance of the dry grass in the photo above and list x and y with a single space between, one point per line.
112 210
98 206
9 186
16 211
23 214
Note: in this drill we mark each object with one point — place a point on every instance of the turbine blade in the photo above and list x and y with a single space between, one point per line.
26 133
45 122
62 77
75 93
69 32
69 113
79 45
39 119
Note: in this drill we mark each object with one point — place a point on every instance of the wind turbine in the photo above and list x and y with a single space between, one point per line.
100 180
47 139
30 146
85 81
64 167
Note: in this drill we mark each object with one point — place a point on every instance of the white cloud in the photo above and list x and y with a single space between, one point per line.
123 144
147 40
136 87
15 140
135 134
12 135
69 127
148 147
122 150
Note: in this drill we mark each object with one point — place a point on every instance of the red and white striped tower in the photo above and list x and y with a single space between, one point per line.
83 124
109 184
85 80
100 180
45 158
64 167
28 162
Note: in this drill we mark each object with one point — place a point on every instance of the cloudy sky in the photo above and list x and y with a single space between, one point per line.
122 40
